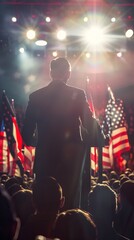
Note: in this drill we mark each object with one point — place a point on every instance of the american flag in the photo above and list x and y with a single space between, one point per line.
117 127
29 154
6 159
11 134
113 126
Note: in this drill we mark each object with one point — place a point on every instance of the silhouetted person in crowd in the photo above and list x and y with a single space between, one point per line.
9 223
125 217
48 200
74 224
103 208
23 203
58 111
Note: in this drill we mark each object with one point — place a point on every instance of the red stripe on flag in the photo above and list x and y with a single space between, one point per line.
122 144
120 133
29 154
120 141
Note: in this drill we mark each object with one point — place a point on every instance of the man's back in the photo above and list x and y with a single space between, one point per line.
58 111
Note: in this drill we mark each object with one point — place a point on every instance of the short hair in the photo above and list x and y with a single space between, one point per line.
127 192
23 202
61 64
74 224
47 195
102 202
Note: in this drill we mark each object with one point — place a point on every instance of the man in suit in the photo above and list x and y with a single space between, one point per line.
58 111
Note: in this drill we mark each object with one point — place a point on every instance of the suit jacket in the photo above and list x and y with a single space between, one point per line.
58 111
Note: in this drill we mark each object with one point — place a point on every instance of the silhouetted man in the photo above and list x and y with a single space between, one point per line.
58 111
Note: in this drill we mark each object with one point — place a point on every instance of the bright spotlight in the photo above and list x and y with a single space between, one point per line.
95 36
21 50
88 79
85 19
61 35
129 33
31 34
48 19
113 19
41 43
119 54
55 54
88 55
14 19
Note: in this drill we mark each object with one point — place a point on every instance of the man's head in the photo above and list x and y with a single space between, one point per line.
60 69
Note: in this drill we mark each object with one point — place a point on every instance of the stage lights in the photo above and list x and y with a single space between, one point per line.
119 54
113 19
85 19
21 50
95 36
129 33
41 43
61 35
14 19
48 19
88 55
54 53
31 34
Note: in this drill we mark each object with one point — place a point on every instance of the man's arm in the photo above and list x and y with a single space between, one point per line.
93 136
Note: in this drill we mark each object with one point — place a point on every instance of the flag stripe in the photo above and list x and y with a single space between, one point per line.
106 161
121 144
29 153
120 131
3 152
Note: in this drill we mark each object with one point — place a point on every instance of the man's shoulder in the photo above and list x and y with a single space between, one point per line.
75 89
38 92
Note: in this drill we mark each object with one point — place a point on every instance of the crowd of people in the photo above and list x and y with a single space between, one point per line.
32 211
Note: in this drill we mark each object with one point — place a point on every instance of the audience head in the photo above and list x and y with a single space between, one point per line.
127 193
116 186
60 69
74 224
14 189
131 176
123 179
10 182
23 202
113 174
4 177
9 224
48 196
102 203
